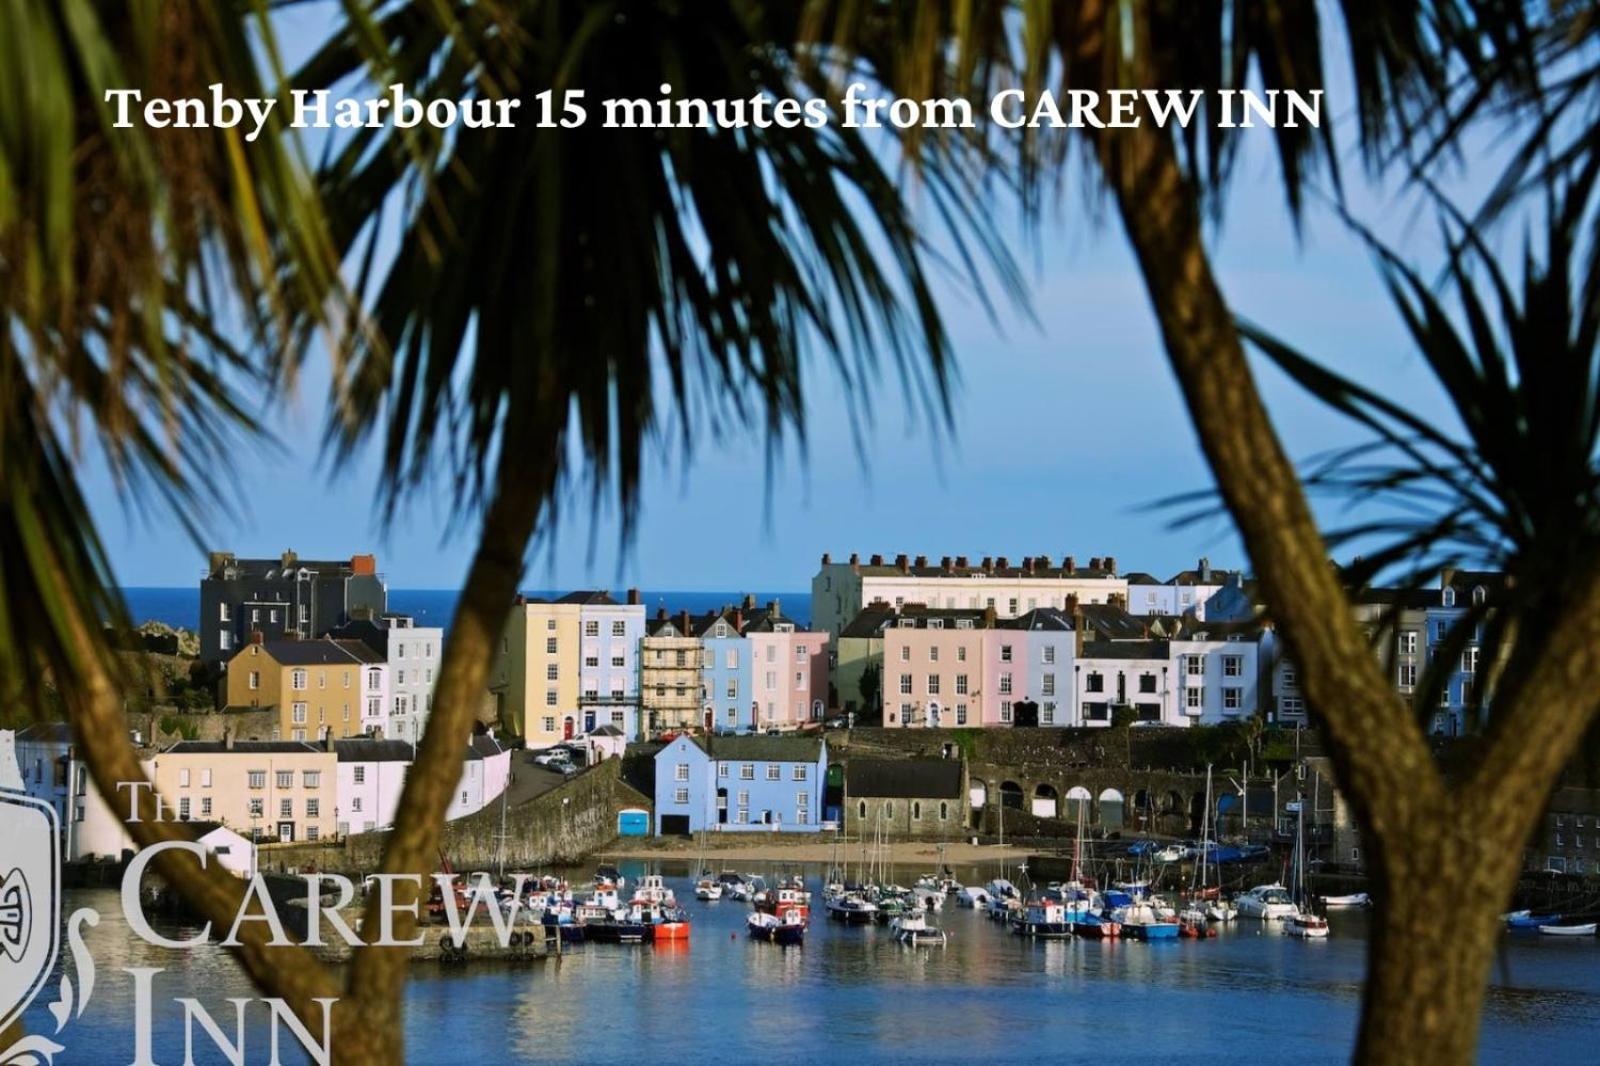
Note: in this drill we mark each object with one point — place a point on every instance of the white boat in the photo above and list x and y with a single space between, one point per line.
1267 902
706 888
851 908
1357 899
912 928
971 896
1171 853
1306 926
652 888
1568 930
1222 911
929 899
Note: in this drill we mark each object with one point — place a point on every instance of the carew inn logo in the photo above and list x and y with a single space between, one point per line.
30 899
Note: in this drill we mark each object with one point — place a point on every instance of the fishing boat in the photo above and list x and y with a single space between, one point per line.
652 888
788 929
1586 929
707 889
1003 899
1355 899
1042 919
1306 925
666 923
1094 925
606 873
734 885
972 896
1193 924
912 928
1267 902
1529 920
1142 922
783 901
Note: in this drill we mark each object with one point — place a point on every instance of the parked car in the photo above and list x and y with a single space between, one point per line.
841 722
553 759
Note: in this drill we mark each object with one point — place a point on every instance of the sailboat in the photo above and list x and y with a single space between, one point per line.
707 887
1206 902
1303 923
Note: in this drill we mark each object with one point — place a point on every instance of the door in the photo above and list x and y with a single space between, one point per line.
711 719
722 806
588 721
933 713
566 728
286 831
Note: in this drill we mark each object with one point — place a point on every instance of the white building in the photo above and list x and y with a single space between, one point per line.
487 773
1185 593
840 590
234 853
47 759
1137 674
1218 679
608 668
371 779
410 654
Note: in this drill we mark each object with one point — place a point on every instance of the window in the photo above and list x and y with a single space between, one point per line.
722 769
591 628
183 809
619 629
255 679
961 684
591 659
313 833
1469 660
863 809
799 680
1408 676
1292 705
399 677
286 808
916 810
205 777
552 672
905 684
360 775
1147 682
550 645
680 795
1232 698
1048 685
1005 684
1005 710
1049 654
799 773
888 808
1096 682
774 772
347 679
183 778
732 659
744 798
322 679
733 688
1448 597
298 713
374 707
297 734
680 772
355 804
1193 698
285 778
1232 666
313 808
961 654
258 779
802 816
551 698
742 817
1005 653
297 680
311 779
257 808
1047 715
905 653
1196 665
205 806
619 660
1408 642
933 684
747 772
1288 676
549 723
224 612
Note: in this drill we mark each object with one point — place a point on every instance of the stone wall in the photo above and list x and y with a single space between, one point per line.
558 828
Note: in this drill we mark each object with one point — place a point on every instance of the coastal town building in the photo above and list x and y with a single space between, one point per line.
283 597
1567 838
725 677
265 790
371 777
670 675
1185 593
535 674
412 653
789 671
924 799
608 674
740 784
840 590
319 688
52 770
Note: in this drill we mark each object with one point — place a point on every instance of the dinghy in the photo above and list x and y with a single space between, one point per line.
1357 899
1587 929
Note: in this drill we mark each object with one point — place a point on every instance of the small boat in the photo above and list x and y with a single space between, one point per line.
1090 924
1586 929
734 886
606 873
971 896
1042 919
1221 911
1267 902
1355 899
1143 923
707 889
1192 925
652 888
788 929
1529 920
851 908
782 901
912 928
1135 889
1307 926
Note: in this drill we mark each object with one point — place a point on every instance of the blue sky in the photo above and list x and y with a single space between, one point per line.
1064 430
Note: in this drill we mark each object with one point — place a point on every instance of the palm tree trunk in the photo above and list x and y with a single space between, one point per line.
1433 936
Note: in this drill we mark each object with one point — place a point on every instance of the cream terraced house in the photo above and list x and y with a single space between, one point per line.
320 688
263 790
841 590
535 674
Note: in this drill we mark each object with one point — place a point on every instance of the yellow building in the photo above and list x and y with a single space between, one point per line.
315 685
263 790
534 676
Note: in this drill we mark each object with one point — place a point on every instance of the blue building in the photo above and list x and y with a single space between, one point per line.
740 784
727 681
1460 601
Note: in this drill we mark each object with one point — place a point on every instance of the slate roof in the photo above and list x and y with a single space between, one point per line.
591 597
761 748
45 733
1107 621
361 651
252 747
319 652
1125 649
902 778
484 746
1041 619
875 618
368 749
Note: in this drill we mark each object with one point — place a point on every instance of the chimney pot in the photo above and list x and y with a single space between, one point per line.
827 559
1002 563
877 560
683 623
1069 564
1111 564
633 597
855 558
922 561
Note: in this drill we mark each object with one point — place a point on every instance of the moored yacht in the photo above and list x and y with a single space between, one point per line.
1267 902
912 928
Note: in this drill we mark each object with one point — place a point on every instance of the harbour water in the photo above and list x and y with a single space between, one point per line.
854 995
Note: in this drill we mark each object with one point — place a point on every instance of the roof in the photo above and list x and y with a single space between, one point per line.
369 749
1140 577
248 747
45 733
1037 572
606 731
366 631
1041 619
903 778
876 617
1109 622
484 746
761 748
362 651
1125 649
590 597
319 652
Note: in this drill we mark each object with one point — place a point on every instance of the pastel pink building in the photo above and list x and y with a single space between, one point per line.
940 670
789 672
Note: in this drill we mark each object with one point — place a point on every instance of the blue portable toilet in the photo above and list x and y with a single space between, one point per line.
633 822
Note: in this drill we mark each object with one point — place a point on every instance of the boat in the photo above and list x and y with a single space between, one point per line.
1586 929
1042 919
1355 899
1205 900
734 885
912 928
1221 911
789 929
1267 902
972 896
851 908
606 873
783 901
1143 923
1529 920
1306 925
652 888
1136 889
1093 925
1003 898
1193 924
707 889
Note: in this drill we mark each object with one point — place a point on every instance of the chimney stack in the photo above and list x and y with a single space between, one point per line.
749 601
944 564
902 563
683 624
855 558
961 562
988 565
288 559
1002 563
1205 570
774 608
1069 564
633 598
922 562
1042 562
1027 563
1111 564
827 559
738 620
257 637
876 560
